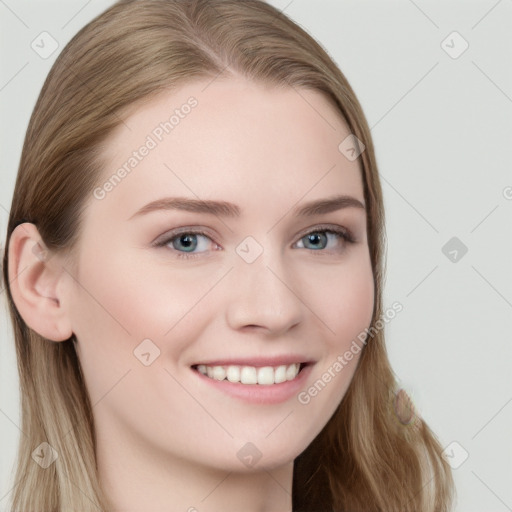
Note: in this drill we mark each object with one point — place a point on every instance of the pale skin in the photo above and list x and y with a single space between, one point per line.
168 441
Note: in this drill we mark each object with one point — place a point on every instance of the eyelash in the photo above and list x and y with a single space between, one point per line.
344 234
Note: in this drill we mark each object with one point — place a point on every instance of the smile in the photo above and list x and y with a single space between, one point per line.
251 375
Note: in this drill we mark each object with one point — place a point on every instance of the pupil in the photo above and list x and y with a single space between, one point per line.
317 240
187 242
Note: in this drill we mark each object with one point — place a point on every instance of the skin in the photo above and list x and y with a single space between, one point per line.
164 436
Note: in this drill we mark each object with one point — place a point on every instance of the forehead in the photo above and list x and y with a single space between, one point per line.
232 139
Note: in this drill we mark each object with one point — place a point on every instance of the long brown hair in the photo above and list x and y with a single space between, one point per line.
364 459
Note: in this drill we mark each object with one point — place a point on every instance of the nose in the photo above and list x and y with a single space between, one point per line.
263 298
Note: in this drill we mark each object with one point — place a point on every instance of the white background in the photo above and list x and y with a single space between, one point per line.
442 128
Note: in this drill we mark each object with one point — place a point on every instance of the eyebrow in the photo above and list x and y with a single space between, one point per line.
225 209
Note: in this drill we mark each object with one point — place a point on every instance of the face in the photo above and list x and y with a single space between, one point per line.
230 271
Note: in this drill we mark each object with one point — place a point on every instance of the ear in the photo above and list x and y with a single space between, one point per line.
36 277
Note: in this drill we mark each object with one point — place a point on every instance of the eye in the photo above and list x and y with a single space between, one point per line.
187 244
192 243
321 239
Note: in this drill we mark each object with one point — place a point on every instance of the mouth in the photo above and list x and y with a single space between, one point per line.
252 375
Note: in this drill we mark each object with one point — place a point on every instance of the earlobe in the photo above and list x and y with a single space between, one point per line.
35 278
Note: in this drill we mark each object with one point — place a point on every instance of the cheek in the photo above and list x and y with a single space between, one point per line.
344 303
343 299
112 310
139 298
122 301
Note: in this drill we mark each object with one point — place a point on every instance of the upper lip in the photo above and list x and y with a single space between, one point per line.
258 361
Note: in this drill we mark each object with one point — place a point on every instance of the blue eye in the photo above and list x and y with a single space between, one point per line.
192 244
187 244
316 240
324 239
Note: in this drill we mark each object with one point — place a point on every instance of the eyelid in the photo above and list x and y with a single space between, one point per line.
335 228
173 233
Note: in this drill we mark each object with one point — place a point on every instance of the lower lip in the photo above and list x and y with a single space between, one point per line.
260 393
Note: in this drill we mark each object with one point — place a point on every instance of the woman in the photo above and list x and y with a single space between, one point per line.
194 273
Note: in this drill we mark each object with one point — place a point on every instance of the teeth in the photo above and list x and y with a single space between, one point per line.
233 373
280 374
264 376
219 373
291 372
248 375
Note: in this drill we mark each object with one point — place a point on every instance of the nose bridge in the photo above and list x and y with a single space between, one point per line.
263 294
